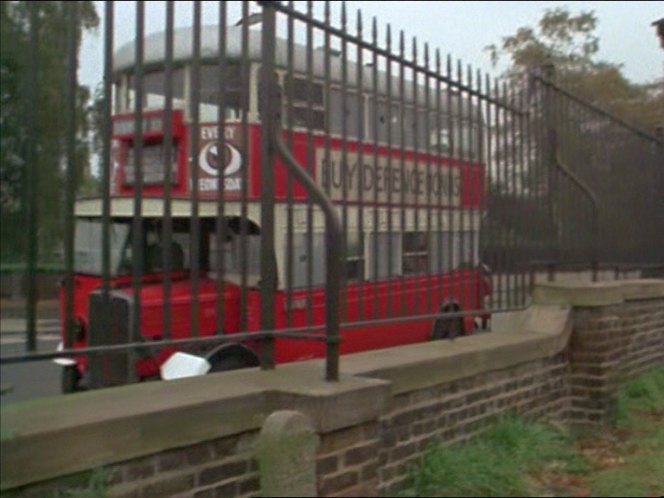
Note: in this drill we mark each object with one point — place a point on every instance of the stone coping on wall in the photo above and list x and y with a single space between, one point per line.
597 294
538 332
645 288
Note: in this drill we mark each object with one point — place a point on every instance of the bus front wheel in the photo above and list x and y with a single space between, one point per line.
231 357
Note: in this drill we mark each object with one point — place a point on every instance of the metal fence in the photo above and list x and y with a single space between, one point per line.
356 188
622 166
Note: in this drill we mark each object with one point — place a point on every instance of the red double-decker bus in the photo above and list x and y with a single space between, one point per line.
411 206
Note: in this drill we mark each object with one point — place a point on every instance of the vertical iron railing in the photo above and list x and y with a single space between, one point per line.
137 245
220 228
272 142
70 179
107 130
32 183
270 108
167 227
195 100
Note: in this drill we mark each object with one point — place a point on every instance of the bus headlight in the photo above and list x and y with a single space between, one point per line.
78 330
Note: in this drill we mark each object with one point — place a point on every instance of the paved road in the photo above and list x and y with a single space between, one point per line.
28 380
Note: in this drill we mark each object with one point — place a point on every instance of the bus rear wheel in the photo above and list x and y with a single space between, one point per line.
447 328
70 379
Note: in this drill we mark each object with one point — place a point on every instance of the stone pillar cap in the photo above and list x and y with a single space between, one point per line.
593 294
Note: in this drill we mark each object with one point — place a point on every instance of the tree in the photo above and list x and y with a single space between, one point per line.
48 104
570 43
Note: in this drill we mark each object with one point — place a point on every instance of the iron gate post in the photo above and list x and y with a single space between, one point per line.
269 113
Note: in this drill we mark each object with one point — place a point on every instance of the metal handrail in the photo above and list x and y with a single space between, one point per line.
561 166
333 227
597 109
334 273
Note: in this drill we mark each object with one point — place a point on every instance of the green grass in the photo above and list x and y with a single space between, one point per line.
640 415
497 463
640 475
95 485
642 396
518 458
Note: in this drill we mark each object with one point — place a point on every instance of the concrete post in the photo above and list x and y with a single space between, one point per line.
287 447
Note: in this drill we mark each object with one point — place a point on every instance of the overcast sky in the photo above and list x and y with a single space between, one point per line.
462 29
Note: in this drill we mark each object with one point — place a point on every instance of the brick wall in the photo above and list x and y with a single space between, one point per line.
458 411
222 468
610 345
642 340
225 467
348 460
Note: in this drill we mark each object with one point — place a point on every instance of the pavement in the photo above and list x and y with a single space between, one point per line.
13 321
16 326
35 379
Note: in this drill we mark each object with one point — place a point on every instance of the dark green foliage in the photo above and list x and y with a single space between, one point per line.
47 101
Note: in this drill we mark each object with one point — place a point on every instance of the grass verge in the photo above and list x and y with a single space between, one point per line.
495 463
630 460
519 458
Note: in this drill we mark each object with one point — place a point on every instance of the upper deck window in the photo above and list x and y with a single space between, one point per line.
235 95
305 98
154 89
344 108
232 87
462 142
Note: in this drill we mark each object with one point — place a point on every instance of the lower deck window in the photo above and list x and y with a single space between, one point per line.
308 266
415 246
384 255
354 256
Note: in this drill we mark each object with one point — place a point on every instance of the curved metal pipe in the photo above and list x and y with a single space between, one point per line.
334 268
272 142
560 165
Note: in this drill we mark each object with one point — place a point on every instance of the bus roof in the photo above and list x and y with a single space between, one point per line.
154 57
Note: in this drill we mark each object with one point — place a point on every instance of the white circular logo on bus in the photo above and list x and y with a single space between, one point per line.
208 159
